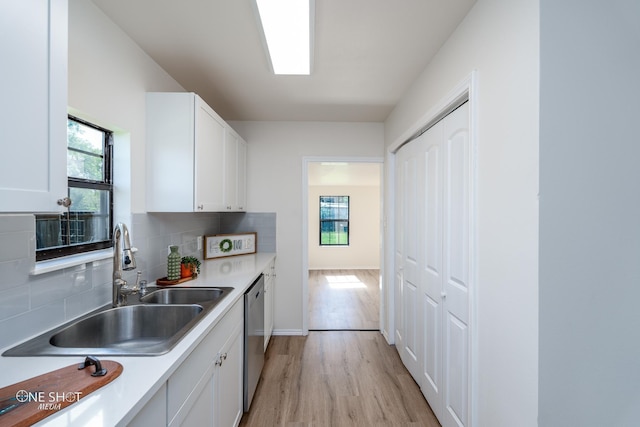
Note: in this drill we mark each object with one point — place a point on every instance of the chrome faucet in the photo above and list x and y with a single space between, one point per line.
123 259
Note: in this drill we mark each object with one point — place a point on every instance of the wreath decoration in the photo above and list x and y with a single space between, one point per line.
226 245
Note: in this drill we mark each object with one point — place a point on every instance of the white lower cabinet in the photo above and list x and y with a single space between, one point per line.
154 413
228 397
206 390
269 298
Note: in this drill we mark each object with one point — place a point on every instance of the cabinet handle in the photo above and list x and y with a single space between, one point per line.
66 202
220 359
200 207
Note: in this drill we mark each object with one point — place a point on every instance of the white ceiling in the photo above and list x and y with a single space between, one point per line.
344 174
366 54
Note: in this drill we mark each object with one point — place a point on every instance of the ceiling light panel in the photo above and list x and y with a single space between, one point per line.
287 26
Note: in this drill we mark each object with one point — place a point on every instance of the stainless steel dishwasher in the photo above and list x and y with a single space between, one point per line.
253 339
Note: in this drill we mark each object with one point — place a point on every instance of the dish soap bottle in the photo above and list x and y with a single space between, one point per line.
173 264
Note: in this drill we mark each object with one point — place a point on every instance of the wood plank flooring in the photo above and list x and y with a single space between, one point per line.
344 299
337 378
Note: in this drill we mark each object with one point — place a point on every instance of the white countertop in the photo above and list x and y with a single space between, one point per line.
118 402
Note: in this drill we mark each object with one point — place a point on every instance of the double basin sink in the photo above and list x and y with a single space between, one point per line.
150 327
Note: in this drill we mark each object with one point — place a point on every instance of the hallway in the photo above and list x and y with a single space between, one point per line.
343 373
344 300
338 379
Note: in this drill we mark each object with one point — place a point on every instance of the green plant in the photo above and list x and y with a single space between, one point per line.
192 262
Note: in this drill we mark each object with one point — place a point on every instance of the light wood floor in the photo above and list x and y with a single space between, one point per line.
344 299
337 379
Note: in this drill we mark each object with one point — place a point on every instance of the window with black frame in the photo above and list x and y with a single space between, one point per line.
88 222
334 220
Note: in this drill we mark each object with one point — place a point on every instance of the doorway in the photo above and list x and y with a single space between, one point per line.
342 243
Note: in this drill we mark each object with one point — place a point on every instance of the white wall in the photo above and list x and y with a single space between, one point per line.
274 184
589 213
108 78
499 39
363 251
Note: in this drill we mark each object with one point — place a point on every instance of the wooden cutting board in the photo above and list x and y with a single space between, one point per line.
29 401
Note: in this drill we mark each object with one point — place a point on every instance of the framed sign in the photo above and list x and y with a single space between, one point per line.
223 245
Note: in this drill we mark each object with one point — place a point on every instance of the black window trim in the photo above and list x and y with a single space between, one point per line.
347 220
107 184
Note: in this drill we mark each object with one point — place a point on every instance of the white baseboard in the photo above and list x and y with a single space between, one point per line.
287 332
386 337
343 268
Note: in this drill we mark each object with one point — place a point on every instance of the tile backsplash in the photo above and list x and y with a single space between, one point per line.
263 223
30 305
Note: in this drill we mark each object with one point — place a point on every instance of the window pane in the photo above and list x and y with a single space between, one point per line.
334 220
86 222
334 207
48 231
85 153
89 215
334 233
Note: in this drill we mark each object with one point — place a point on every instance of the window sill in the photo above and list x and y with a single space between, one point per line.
71 261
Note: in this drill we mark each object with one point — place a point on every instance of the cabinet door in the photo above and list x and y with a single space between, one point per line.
269 298
209 159
235 180
268 312
154 412
241 176
33 48
229 398
230 175
202 411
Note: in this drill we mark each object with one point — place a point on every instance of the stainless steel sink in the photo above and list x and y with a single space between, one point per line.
136 328
150 328
186 296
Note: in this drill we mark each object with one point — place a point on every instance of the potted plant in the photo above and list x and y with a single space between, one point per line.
189 267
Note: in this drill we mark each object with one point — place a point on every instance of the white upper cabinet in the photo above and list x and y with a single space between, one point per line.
235 149
33 123
241 183
188 156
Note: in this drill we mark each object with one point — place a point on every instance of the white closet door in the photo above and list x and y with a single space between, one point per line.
399 251
433 262
456 245
432 270
412 201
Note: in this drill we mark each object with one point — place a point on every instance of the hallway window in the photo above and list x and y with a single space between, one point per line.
334 220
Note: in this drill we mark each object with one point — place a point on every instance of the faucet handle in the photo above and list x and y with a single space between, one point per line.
142 290
138 274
